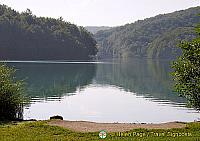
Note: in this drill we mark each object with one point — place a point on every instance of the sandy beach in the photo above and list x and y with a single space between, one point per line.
85 126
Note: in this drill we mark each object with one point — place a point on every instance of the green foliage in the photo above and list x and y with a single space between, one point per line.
164 45
27 37
11 95
154 37
187 72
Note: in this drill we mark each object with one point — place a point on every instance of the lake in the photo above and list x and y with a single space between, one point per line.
134 90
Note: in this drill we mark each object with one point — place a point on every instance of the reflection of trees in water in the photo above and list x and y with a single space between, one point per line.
148 78
143 77
160 71
49 80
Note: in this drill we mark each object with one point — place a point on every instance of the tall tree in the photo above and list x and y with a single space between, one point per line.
187 71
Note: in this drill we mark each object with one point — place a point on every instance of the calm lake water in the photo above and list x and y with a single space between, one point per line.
112 91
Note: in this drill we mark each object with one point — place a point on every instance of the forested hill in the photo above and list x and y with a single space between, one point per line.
154 37
23 36
95 29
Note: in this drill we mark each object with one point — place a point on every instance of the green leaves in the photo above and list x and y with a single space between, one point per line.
11 94
187 72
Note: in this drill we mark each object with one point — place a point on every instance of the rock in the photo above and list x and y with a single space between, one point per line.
56 117
31 120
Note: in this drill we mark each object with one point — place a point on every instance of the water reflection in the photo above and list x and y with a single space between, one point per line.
109 104
115 91
52 81
149 78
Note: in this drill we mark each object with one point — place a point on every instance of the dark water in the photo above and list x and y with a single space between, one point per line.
112 91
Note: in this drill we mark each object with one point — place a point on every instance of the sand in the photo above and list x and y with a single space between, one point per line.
85 126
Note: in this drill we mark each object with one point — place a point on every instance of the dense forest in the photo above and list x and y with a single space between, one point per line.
95 29
23 36
155 37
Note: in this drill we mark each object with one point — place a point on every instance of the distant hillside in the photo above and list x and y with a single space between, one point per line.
154 37
95 29
23 36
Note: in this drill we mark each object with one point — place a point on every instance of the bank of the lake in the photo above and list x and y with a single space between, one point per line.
42 130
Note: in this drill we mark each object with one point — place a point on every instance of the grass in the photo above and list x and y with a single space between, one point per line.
41 131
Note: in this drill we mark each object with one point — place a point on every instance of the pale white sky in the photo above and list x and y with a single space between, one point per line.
100 12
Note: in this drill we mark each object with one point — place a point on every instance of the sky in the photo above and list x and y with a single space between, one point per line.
100 12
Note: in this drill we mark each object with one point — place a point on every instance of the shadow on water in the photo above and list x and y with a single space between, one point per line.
148 78
52 81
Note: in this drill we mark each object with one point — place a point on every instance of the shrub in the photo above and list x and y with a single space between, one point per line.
11 94
187 72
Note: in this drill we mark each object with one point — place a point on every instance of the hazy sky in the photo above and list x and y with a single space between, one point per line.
100 12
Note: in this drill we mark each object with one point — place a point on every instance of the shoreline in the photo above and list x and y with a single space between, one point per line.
87 126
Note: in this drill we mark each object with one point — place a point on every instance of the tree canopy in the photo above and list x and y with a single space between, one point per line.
187 71
154 37
23 36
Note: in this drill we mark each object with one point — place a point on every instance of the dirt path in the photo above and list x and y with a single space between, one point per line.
84 126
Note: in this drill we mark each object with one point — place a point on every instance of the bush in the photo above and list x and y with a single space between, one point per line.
187 72
11 95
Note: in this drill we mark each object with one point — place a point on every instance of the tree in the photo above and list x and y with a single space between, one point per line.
187 71
11 95
24 36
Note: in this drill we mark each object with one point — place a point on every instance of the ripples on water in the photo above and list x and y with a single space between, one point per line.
119 91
